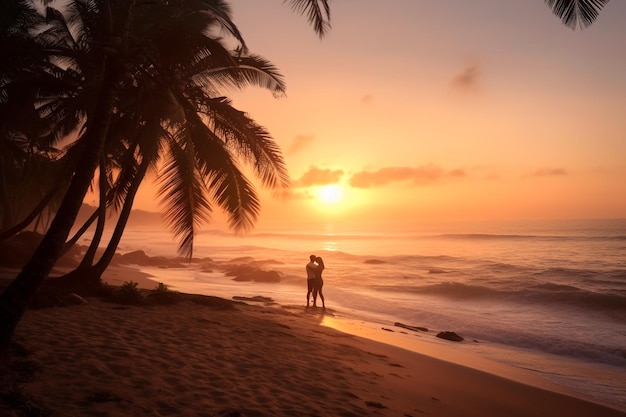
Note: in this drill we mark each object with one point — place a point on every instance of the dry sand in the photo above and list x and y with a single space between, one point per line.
205 356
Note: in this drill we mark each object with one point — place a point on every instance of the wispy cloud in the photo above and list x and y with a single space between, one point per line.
317 176
485 172
467 80
300 194
424 175
299 143
367 98
547 172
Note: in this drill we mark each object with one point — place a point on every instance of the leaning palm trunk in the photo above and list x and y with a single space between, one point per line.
107 256
20 293
88 275
90 255
80 232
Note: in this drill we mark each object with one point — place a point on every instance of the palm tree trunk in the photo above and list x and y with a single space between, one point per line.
71 242
6 218
109 252
68 245
20 293
90 255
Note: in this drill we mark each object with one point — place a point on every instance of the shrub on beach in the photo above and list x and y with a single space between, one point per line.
163 295
128 293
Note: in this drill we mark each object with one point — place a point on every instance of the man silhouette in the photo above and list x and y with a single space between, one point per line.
311 271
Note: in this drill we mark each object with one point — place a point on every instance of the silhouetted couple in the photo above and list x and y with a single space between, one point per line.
314 280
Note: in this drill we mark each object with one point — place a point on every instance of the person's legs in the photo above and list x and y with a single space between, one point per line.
309 283
322 296
315 297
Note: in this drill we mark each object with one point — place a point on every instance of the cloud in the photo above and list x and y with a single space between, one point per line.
367 98
424 175
317 176
485 172
491 176
467 80
543 172
300 142
302 194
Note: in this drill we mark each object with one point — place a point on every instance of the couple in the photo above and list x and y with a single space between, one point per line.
314 280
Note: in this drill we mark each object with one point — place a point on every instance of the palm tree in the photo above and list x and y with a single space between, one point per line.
577 13
118 49
112 25
160 93
18 295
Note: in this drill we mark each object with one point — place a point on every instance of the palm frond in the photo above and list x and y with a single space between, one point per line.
249 141
316 11
221 11
251 70
17 16
226 184
233 193
183 193
577 13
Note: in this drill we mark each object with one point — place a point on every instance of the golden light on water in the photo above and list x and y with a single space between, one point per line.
330 246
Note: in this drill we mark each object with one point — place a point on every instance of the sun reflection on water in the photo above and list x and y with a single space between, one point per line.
330 246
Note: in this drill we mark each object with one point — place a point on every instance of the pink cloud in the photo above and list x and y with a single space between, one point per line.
367 98
551 172
317 176
467 80
424 175
300 142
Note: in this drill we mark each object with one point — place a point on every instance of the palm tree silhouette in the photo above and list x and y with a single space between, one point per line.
122 35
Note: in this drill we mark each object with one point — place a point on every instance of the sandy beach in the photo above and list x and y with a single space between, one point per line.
206 356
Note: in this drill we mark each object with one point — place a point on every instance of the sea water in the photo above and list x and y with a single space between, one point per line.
548 297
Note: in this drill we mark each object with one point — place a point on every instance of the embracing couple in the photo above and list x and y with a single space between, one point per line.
314 280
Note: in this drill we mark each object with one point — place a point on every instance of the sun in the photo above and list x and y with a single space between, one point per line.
330 194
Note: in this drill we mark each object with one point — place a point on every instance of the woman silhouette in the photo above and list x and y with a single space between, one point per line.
318 282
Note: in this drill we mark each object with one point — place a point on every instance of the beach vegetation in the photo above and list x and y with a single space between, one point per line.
128 293
163 295
161 288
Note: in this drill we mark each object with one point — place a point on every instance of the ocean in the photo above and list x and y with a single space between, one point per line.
547 297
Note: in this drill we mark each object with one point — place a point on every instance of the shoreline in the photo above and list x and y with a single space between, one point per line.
379 373
226 358
380 332
560 374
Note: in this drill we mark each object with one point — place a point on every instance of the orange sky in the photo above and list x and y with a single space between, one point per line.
442 111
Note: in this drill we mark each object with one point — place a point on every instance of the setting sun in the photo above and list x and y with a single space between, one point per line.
330 194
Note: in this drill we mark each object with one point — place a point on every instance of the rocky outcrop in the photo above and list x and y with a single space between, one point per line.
450 336
256 299
413 328
249 273
17 250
